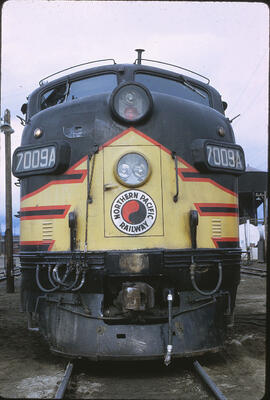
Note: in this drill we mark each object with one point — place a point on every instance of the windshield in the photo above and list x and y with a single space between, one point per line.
173 88
78 89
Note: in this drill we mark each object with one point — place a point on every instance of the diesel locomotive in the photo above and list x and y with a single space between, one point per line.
129 243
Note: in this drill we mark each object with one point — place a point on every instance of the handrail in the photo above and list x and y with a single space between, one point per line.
41 82
75 66
176 66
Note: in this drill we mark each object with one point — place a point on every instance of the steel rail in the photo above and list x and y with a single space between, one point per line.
253 269
208 381
261 324
260 274
250 319
64 384
5 277
198 368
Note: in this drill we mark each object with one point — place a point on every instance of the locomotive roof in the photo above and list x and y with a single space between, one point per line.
121 68
126 73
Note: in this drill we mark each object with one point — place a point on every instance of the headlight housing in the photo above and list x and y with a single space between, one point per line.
131 102
132 169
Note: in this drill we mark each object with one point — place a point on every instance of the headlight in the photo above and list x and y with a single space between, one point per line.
131 102
132 169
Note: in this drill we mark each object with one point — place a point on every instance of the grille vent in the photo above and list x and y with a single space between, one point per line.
216 228
47 230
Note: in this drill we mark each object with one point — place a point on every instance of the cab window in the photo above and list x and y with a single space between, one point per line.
67 92
173 88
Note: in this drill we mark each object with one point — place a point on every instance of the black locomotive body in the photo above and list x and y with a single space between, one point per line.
129 213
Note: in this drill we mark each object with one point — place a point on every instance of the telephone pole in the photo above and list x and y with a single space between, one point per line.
7 130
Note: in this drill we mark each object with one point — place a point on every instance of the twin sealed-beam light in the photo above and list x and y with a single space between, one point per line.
131 102
132 169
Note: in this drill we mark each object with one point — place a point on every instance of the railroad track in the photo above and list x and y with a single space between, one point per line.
254 271
16 273
251 319
65 381
16 269
72 378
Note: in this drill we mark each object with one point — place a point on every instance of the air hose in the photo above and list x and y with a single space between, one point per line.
40 286
194 284
59 284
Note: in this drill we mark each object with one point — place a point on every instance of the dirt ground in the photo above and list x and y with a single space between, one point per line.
29 370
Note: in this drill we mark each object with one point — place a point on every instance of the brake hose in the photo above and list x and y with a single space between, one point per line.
39 284
194 284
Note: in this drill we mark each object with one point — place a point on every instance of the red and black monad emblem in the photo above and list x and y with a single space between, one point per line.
133 212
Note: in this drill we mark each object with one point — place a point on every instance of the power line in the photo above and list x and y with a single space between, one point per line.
254 98
258 94
250 80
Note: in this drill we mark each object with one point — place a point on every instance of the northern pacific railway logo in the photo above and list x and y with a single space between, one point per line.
133 212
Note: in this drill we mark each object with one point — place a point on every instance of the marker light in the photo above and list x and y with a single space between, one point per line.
38 132
131 102
132 169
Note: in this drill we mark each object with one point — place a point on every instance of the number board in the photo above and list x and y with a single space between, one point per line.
217 156
36 160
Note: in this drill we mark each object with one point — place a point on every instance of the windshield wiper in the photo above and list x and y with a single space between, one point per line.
184 82
67 90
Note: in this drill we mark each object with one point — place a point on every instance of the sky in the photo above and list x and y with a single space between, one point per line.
226 41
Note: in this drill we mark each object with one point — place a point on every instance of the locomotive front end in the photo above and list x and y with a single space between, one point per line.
129 214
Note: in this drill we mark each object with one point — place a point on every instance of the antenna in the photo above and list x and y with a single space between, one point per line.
231 120
139 51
